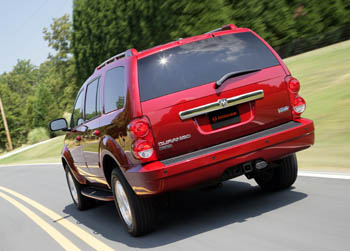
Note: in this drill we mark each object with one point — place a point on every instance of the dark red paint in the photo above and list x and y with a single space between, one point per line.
107 136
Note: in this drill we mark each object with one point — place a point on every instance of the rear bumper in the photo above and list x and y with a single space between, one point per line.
210 163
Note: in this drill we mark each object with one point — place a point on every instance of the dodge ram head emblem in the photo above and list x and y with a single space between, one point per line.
223 102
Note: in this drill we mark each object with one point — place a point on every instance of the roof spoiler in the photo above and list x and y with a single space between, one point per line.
224 28
127 53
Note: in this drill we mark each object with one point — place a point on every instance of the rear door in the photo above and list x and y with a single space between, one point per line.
187 112
114 119
92 112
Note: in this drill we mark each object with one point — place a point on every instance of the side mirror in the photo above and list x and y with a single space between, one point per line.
59 124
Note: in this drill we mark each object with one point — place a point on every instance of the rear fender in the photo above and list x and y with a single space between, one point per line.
109 147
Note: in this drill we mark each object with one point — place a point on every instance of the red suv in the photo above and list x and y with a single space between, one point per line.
198 110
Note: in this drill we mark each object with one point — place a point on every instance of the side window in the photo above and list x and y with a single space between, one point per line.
77 112
98 99
114 91
92 100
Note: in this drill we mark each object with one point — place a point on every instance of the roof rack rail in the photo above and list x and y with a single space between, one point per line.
127 53
223 28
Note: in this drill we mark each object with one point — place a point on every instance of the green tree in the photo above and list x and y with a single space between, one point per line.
44 107
104 28
22 78
271 19
59 38
15 88
59 71
14 116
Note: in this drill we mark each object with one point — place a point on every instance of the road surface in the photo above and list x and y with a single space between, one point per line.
37 213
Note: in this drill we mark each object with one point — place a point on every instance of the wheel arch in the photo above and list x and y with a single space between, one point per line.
67 160
112 156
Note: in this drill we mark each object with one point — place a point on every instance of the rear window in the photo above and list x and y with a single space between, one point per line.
114 89
201 62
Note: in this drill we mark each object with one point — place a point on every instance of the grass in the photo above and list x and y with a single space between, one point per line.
325 84
45 153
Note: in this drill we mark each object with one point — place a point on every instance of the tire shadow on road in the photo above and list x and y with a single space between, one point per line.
189 213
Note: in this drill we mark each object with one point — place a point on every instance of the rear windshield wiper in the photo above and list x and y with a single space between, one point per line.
233 74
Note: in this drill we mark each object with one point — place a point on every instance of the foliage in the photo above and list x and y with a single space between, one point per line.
37 134
15 88
45 107
67 116
59 37
32 96
22 78
105 28
60 67
271 19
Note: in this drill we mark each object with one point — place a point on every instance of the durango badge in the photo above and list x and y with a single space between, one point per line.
162 144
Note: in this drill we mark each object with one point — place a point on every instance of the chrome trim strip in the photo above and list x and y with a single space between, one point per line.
103 198
123 54
220 104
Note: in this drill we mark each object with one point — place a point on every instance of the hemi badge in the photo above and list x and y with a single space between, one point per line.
283 109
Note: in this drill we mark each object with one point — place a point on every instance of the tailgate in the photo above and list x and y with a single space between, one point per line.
186 111
265 104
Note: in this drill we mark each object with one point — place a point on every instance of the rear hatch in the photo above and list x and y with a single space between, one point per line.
187 112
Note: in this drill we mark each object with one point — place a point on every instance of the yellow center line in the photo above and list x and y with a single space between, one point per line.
57 236
80 233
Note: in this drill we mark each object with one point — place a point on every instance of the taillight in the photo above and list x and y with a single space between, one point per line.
297 102
143 143
142 149
138 128
294 85
299 105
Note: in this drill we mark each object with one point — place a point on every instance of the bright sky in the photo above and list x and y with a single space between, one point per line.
21 26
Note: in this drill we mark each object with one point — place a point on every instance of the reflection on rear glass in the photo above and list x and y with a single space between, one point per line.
201 62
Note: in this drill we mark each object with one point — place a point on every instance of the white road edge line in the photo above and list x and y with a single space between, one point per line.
24 149
333 175
325 175
33 164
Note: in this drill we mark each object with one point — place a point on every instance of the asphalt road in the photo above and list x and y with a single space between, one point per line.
312 215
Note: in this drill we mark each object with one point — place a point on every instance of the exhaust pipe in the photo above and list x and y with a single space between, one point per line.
260 164
247 167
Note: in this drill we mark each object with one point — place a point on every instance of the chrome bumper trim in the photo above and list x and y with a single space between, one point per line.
220 104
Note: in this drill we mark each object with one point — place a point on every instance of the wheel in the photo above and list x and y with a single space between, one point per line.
280 177
80 201
136 213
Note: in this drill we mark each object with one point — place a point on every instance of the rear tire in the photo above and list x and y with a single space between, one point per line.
280 177
136 213
80 201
